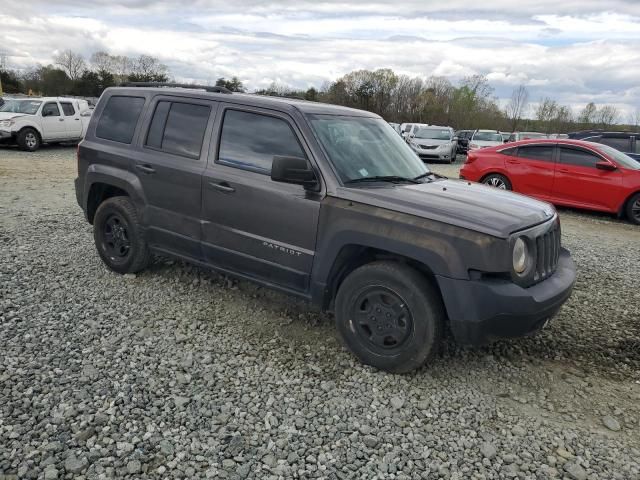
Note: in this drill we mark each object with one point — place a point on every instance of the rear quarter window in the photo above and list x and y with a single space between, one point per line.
119 118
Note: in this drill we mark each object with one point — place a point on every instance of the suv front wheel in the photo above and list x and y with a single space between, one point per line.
118 236
389 316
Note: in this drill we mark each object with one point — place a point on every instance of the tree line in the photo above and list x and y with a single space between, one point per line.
72 74
467 104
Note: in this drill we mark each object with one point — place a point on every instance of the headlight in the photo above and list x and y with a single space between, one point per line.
473 145
520 256
6 123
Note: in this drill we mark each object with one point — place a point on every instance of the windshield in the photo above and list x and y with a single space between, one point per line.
433 134
487 137
30 107
623 160
360 147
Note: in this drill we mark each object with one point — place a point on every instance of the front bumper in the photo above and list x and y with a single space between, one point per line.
433 154
6 136
484 310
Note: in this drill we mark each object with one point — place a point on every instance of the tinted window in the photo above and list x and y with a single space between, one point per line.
540 152
509 151
578 157
622 144
251 140
637 144
178 128
119 118
50 110
68 109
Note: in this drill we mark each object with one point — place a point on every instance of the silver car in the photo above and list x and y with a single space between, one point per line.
434 143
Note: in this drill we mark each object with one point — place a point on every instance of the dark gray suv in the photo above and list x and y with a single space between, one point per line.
323 202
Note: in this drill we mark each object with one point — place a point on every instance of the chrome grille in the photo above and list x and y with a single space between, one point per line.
547 253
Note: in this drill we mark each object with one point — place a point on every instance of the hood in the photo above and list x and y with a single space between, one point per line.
10 115
467 205
427 142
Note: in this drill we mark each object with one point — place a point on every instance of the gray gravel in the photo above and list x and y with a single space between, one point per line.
180 373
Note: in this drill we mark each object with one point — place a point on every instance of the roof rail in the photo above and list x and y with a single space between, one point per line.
177 85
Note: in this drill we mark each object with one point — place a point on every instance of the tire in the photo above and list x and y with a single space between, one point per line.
382 292
498 181
633 209
29 139
118 236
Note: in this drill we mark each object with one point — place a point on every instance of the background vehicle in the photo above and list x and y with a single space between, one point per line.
571 173
484 139
463 137
323 202
31 121
505 136
625 142
407 129
517 136
434 143
395 126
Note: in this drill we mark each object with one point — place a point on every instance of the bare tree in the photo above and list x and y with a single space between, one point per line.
71 62
634 117
588 115
149 69
102 61
607 115
547 110
516 106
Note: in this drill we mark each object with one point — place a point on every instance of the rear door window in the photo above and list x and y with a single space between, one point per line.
178 128
582 158
68 109
251 140
537 152
119 118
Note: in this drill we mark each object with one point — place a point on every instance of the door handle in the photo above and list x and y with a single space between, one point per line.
145 168
77 119
563 170
513 161
61 119
223 187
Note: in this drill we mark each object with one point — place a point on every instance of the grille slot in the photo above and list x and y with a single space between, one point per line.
547 253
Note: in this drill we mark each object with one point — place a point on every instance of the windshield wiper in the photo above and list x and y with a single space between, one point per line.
429 174
382 178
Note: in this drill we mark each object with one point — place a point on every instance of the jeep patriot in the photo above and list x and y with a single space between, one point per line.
324 202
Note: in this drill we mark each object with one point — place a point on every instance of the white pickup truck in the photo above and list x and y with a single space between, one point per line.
32 121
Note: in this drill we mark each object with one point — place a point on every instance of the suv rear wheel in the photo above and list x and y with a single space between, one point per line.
389 316
118 236
633 209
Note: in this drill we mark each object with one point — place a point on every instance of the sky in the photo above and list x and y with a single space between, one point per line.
574 51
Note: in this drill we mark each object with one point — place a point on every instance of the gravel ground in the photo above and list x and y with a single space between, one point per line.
181 373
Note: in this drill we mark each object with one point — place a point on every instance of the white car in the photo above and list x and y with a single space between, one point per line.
484 139
406 129
434 143
31 121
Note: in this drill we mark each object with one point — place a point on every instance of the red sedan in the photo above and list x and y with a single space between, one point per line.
571 173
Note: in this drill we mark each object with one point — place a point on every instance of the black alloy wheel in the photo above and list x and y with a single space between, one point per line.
382 317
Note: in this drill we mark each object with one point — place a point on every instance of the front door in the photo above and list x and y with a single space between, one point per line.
53 123
579 183
253 225
170 165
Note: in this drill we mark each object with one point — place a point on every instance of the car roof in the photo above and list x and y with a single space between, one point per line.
264 101
542 141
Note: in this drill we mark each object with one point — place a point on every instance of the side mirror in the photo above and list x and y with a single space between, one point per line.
46 113
294 170
609 167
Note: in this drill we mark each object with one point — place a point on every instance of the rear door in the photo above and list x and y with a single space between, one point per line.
253 225
72 121
531 170
579 183
53 122
169 164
